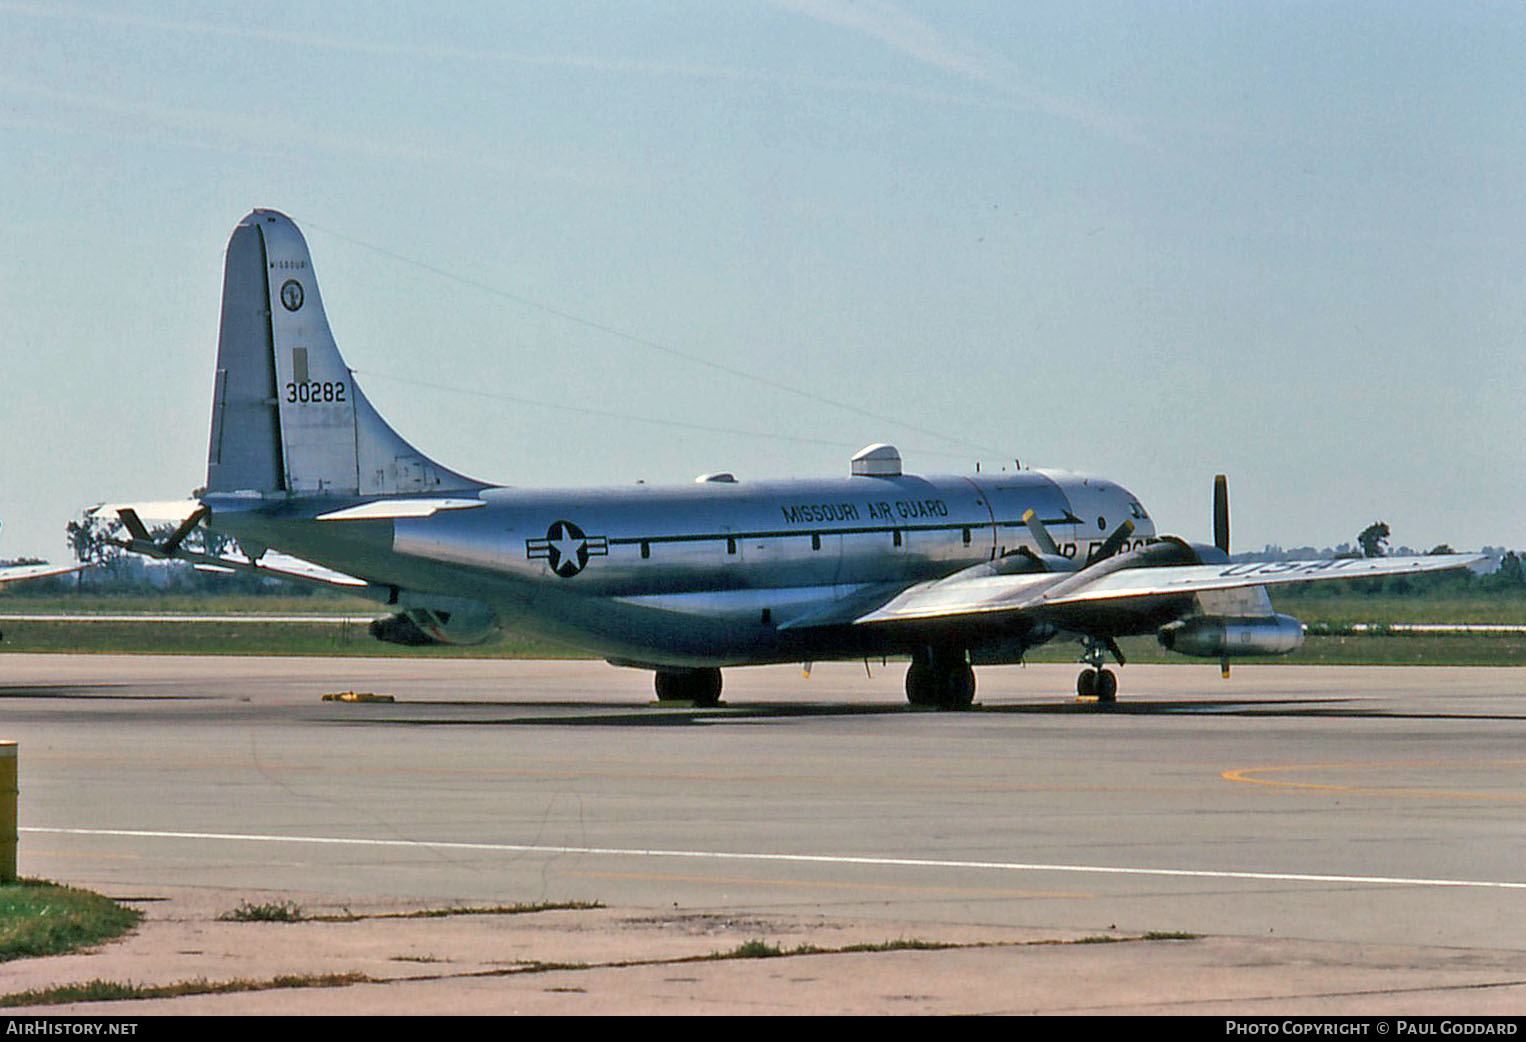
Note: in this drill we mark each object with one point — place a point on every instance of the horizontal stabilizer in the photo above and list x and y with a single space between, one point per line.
177 510
387 509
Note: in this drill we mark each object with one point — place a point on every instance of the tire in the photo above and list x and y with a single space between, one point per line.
919 684
1107 686
1086 684
958 687
700 686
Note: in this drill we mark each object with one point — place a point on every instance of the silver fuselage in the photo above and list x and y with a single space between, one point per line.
712 573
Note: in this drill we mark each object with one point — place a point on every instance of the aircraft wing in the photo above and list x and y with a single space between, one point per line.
278 566
979 595
13 573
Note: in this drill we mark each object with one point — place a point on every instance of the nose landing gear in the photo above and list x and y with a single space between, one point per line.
1096 683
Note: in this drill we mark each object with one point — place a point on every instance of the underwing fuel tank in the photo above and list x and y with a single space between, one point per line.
1218 636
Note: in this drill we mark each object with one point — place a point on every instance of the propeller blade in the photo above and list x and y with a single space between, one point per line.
1041 534
173 542
134 524
1221 512
1113 544
142 540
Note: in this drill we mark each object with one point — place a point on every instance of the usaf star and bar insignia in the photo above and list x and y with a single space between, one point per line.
566 548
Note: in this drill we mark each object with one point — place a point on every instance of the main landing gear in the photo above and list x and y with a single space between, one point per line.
1095 682
700 687
940 678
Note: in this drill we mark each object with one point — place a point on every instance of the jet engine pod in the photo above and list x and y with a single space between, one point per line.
437 620
1218 636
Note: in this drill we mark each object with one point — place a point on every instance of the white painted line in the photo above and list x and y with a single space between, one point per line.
820 859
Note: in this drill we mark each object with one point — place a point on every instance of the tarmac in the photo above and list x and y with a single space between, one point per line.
640 961
1302 842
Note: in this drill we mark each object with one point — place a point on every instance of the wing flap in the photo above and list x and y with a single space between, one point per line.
955 596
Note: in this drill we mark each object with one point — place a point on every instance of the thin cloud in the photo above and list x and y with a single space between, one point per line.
967 60
903 33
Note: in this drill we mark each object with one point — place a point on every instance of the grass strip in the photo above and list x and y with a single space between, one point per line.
42 918
111 991
115 991
290 912
443 913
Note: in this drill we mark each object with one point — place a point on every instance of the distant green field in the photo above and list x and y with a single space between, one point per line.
16 600
1337 651
236 637
1314 604
233 637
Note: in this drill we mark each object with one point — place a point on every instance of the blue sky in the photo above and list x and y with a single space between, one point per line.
1151 241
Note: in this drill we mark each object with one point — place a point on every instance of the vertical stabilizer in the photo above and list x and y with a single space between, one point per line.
287 416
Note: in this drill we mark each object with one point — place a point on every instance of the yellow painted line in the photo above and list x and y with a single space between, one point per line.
1247 775
809 885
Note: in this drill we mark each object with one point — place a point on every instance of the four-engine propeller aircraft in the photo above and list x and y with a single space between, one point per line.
950 571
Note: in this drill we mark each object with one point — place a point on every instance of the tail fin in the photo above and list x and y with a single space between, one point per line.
287 416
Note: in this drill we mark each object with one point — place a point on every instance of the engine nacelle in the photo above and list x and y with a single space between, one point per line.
438 620
1220 636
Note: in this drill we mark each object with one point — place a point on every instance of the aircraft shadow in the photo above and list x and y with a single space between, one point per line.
92 693
582 714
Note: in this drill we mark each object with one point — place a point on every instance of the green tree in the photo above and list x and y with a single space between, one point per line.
89 539
1374 539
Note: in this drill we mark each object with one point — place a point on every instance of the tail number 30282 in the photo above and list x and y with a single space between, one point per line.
315 391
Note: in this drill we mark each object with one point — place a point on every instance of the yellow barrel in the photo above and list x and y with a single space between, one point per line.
8 794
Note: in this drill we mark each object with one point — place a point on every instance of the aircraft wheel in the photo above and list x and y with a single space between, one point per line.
1107 686
940 681
707 686
700 686
669 686
958 687
920 689
1086 684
